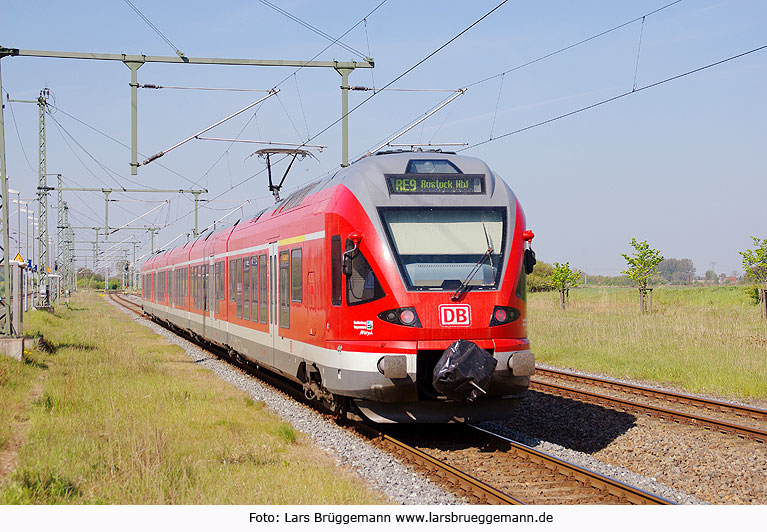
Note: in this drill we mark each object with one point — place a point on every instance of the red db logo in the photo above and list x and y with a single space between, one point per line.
455 315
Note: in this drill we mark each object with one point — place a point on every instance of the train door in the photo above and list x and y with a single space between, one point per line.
212 284
274 314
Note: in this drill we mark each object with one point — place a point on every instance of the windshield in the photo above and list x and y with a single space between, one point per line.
440 248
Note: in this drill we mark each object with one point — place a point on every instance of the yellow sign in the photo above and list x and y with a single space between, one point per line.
18 258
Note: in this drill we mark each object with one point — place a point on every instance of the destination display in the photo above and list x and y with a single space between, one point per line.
436 183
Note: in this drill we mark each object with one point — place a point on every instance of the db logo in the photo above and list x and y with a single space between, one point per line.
455 315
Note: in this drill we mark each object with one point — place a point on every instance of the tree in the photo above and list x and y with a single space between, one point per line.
540 279
678 271
563 278
755 264
642 264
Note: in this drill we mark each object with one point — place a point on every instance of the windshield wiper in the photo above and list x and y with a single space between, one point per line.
488 254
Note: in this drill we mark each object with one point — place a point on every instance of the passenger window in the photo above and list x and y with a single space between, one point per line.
238 273
296 276
263 303
246 288
254 288
284 290
232 279
362 285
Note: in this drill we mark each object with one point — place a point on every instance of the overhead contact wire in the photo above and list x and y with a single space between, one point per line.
617 97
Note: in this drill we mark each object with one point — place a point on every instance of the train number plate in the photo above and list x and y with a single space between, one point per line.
455 315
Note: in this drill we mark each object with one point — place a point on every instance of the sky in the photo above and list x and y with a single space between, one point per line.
680 164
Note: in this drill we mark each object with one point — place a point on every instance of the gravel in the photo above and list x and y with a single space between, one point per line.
396 481
705 465
674 462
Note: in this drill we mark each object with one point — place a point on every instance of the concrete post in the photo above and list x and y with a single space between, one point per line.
16 301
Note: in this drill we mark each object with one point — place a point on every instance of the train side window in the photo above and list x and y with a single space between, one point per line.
335 269
284 289
232 279
253 288
263 302
222 280
205 286
246 288
238 273
216 276
296 276
362 285
195 300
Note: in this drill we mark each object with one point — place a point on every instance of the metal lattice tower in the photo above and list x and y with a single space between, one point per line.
42 195
60 260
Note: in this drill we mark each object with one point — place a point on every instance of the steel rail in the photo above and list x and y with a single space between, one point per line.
663 413
624 491
674 397
485 493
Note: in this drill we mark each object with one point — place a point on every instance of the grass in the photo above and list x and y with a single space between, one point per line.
126 418
700 339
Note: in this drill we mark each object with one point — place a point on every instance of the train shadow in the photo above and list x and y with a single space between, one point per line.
576 425
540 417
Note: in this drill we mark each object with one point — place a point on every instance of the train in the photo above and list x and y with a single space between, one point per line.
393 289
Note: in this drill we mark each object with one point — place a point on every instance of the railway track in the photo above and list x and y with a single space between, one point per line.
542 479
679 416
505 471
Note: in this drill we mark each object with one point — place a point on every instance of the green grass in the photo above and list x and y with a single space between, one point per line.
701 339
126 418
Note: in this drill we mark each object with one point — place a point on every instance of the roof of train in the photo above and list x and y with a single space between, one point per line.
363 178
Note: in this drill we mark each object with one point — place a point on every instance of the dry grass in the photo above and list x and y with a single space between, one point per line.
126 418
707 340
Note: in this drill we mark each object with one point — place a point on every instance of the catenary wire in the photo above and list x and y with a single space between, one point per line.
16 126
617 97
149 23
312 28
573 45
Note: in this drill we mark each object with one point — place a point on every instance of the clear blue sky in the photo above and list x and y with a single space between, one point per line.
681 165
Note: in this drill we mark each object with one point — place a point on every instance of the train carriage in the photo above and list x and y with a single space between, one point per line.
356 285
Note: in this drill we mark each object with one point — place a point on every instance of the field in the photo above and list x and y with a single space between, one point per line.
699 339
110 413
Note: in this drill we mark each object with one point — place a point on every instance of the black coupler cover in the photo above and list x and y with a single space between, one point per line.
463 371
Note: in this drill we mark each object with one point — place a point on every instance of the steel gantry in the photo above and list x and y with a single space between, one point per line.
108 191
134 62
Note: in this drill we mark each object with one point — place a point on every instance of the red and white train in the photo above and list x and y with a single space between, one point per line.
355 285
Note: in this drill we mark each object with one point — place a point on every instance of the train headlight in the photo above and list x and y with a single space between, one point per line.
406 316
503 315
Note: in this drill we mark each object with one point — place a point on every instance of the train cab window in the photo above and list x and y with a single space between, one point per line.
431 166
448 249
296 276
253 288
284 290
246 288
362 285
335 269
238 288
263 303
232 279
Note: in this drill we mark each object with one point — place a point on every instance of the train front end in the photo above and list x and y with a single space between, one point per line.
429 301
